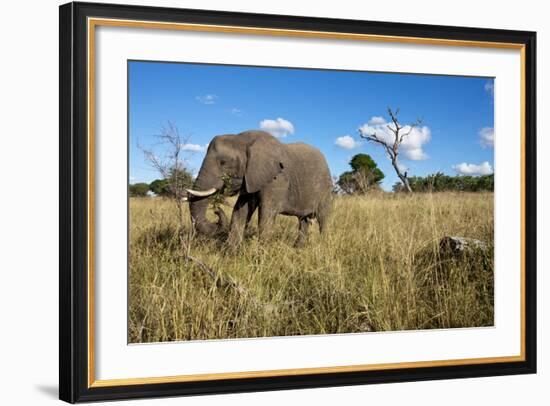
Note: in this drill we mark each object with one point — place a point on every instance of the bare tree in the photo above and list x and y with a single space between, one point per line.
392 146
171 165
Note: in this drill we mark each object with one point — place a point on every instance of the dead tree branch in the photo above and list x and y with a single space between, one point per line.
392 147
171 165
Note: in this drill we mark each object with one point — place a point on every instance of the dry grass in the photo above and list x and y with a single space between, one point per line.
377 269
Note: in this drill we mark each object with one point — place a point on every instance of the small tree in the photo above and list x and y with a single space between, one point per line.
160 187
366 173
171 166
364 176
399 133
139 190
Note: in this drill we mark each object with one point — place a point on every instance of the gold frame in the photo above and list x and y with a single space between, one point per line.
94 22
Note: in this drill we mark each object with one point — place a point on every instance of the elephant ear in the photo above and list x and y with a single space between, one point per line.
265 160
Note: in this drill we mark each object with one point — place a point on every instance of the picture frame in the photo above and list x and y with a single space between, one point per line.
77 287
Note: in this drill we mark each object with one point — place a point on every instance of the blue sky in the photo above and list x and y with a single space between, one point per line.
323 108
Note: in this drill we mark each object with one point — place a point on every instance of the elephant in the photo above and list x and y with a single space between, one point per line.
266 174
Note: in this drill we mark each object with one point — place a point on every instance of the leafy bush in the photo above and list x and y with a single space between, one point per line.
139 189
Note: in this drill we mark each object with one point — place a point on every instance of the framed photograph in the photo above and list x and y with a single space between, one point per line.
256 202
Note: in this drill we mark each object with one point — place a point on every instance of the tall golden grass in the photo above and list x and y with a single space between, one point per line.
378 268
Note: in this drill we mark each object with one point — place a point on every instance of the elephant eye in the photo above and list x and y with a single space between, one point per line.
222 162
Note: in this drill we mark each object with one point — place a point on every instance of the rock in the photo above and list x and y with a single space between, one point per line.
460 245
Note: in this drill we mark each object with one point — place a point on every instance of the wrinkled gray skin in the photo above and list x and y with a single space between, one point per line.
290 179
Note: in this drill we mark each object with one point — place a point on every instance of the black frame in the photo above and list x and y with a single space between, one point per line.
73 196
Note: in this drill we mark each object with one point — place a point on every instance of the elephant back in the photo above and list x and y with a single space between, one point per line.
311 175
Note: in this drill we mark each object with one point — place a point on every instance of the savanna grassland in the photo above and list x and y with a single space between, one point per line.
378 268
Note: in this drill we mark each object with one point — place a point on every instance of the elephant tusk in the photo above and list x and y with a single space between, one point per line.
201 193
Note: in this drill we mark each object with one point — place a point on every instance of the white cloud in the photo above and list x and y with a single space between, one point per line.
207 99
416 154
377 120
236 111
487 137
279 128
347 142
412 144
490 87
193 147
484 168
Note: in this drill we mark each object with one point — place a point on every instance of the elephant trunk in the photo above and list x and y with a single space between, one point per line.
198 208
205 185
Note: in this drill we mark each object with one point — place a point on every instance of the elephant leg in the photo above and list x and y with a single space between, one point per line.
252 206
270 203
323 214
302 232
239 219
266 219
